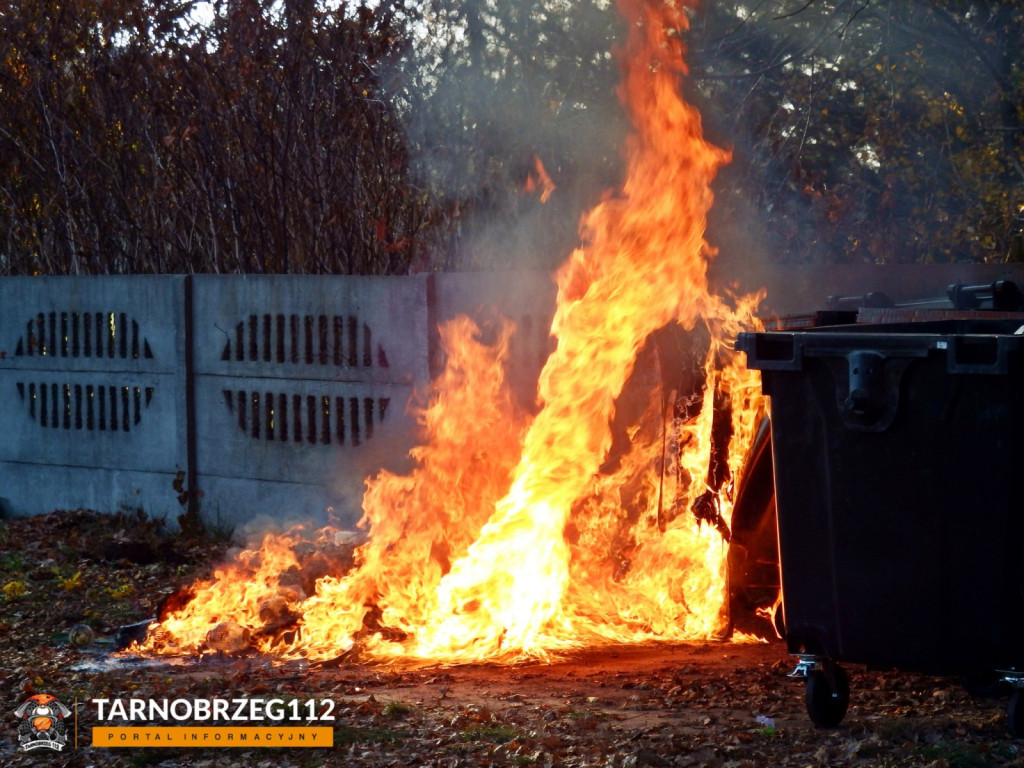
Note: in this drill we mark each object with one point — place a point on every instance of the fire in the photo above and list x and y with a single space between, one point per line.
511 538
539 179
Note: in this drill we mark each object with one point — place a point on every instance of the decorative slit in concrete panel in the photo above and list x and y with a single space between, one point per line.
75 404
89 407
83 334
311 419
340 340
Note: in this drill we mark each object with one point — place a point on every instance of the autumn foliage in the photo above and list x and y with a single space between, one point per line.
309 136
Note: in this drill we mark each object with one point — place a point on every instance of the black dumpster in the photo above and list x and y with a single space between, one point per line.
899 459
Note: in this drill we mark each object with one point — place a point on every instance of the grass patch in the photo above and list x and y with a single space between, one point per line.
953 756
397 709
346 734
12 562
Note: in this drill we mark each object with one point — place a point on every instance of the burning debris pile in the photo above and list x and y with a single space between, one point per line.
513 536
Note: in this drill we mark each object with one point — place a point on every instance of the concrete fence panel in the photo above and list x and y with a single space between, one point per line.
92 393
527 299
301 388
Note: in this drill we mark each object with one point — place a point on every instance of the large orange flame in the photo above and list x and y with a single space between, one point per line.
511 538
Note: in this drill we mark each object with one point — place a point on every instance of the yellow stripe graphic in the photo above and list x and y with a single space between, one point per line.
226 736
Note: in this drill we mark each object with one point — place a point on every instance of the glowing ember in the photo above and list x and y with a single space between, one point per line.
511 539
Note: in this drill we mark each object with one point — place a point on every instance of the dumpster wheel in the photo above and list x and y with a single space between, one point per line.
1015 713
828 694
1015 708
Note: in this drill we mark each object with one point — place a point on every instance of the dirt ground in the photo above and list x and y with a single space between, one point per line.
715 704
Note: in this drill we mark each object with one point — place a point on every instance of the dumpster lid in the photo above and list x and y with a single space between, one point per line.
971 346
868 362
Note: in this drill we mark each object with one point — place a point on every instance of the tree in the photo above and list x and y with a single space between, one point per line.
868 131
136 138
313 136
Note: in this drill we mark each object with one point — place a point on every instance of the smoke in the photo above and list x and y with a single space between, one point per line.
491 88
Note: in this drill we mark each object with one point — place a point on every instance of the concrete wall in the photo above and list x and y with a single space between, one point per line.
301 386
527 299
275 395
92 392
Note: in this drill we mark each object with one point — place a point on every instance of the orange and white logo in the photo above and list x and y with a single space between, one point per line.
42 723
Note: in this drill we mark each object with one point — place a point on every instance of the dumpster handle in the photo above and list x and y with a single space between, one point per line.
867 388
